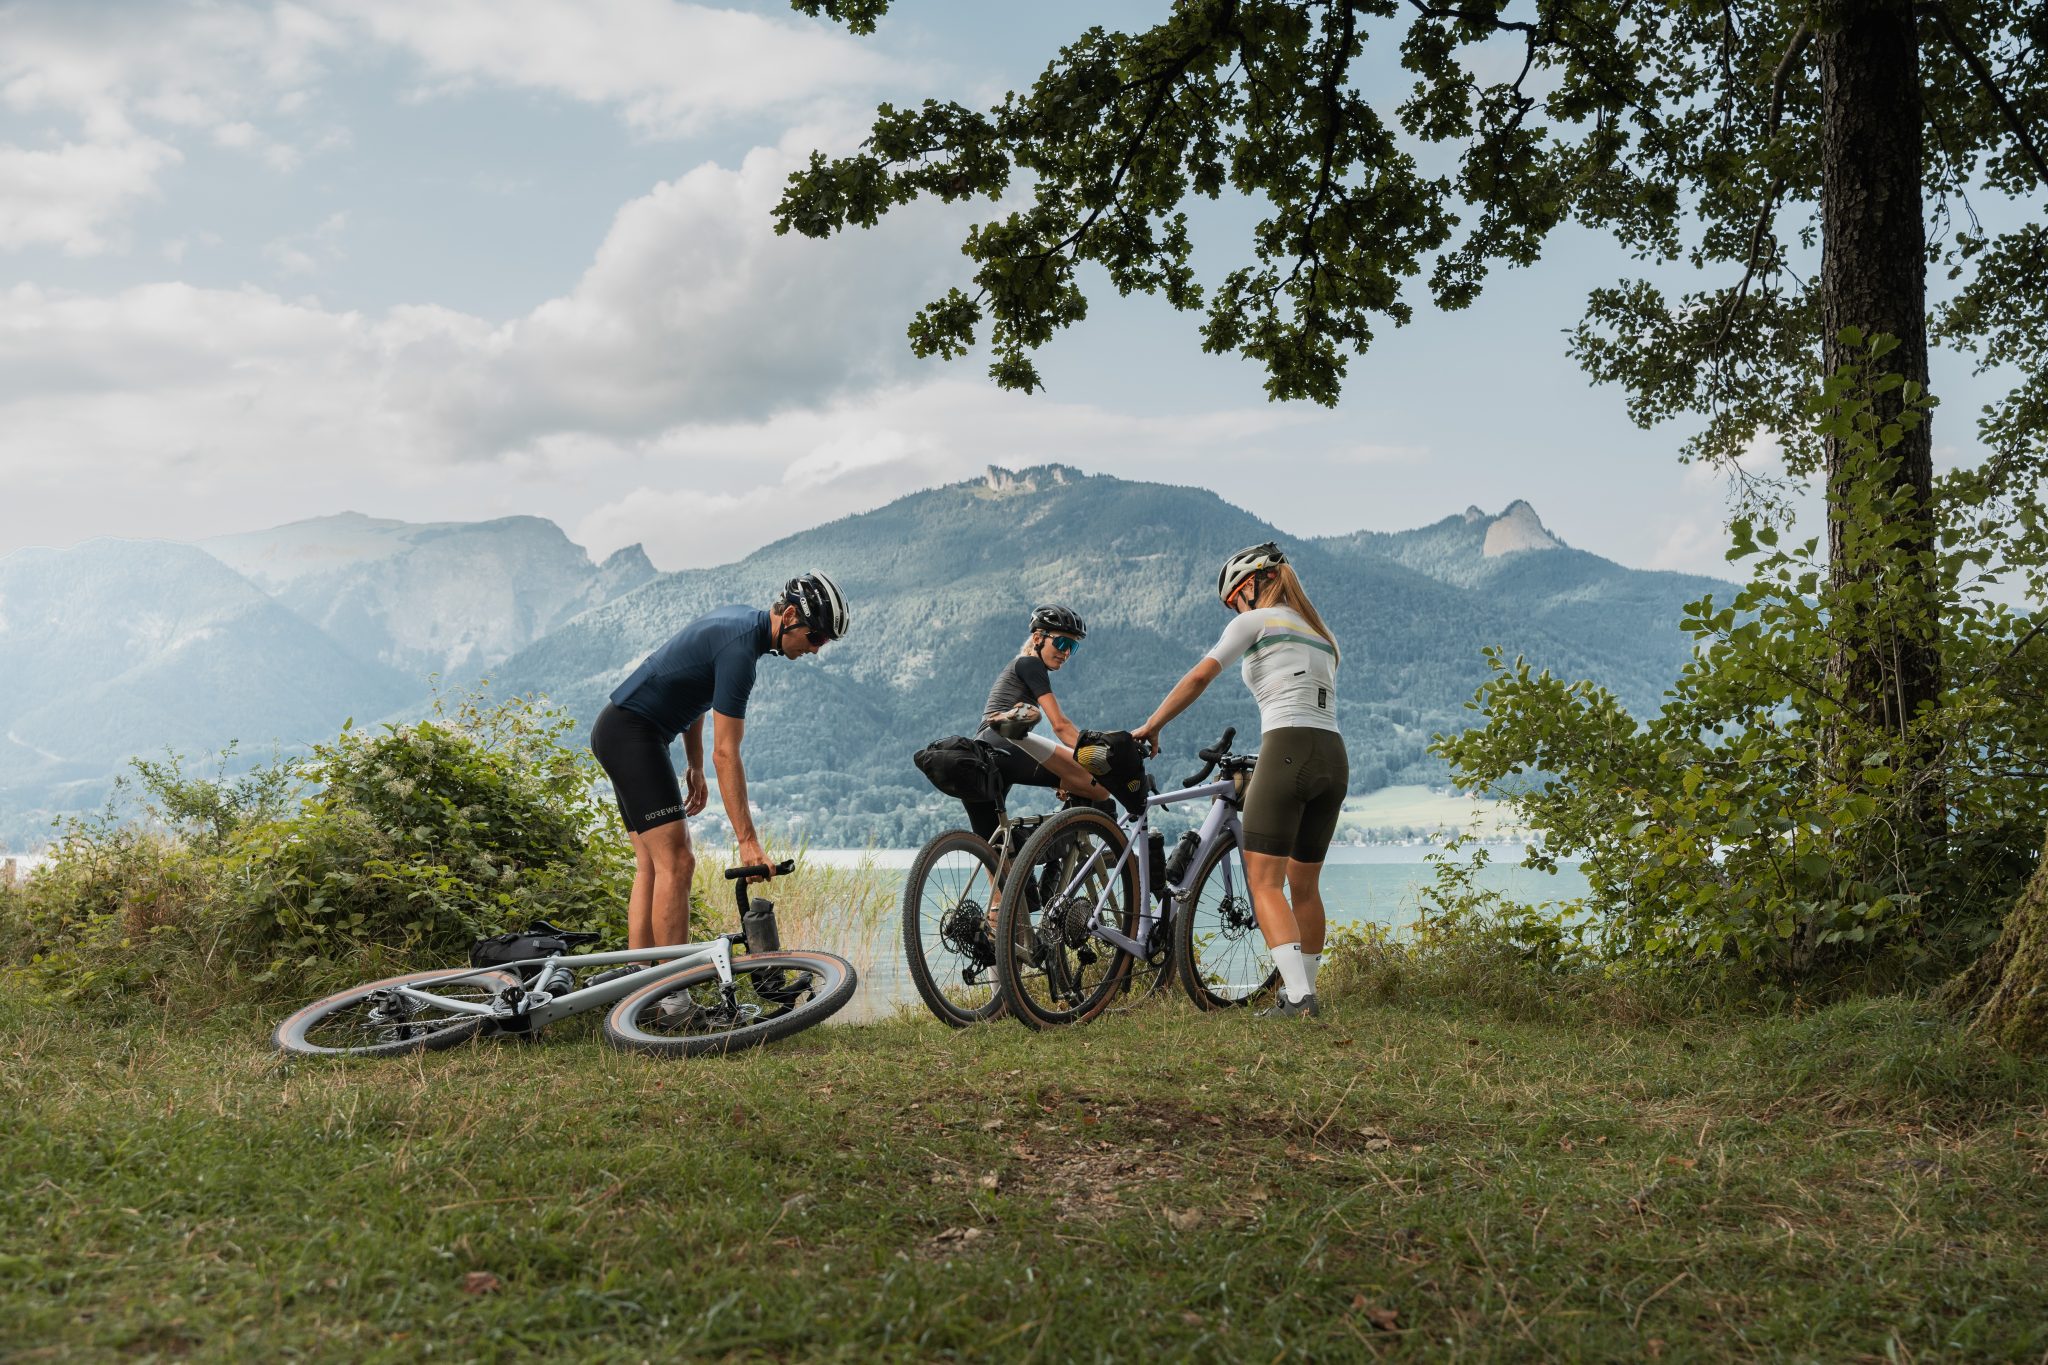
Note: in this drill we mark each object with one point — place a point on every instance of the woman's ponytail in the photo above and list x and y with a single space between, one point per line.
1284 589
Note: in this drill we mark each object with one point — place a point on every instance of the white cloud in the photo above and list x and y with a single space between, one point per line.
70 196
693 312
667 68
125 85
122 84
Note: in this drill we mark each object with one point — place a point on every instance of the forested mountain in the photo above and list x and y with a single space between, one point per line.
941 584
116 648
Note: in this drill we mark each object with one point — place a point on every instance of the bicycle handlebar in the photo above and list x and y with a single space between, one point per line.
738 875
1210 756
781 869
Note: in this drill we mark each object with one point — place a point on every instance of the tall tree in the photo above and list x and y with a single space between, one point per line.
1731 136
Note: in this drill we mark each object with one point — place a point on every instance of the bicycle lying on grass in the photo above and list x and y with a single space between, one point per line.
1081 923
679 1000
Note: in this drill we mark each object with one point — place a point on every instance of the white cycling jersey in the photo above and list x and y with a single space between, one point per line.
1291 670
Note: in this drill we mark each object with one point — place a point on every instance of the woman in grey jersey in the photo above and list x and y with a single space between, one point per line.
1290 662
1019 698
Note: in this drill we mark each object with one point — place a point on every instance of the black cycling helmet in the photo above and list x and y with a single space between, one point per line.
1058 620
820 606
1242 565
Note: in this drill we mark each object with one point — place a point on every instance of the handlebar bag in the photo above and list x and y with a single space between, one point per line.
1118 763
962 768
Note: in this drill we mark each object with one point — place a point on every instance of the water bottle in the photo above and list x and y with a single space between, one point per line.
757 926
1183 854
556 980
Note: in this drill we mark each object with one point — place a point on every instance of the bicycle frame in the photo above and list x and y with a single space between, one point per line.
537 1009
532 1009
1137 829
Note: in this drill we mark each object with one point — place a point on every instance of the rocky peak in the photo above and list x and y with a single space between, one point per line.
1473 514
1001 480
1517 528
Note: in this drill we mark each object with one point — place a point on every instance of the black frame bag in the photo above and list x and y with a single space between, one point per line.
538 939
962 768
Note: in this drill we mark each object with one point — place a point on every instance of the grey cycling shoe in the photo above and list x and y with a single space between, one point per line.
677 1011
1283 1008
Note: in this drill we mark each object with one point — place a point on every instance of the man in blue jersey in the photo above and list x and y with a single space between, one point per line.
707 667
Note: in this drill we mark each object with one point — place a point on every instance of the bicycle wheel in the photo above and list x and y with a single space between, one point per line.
374 1021
1053 970
773 995
1222 956
947 938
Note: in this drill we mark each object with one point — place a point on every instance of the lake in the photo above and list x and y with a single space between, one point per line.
1372 883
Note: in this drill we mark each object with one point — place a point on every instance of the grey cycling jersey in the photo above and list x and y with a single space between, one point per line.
1291 670
1022 679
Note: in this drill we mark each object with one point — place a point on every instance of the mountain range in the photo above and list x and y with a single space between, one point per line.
114 648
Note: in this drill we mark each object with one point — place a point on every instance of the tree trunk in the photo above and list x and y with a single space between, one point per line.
1873 276
2007 988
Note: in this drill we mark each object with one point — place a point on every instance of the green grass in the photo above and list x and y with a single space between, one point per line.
1863 1183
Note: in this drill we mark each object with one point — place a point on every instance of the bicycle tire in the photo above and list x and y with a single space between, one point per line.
829 980
1221 956
295 1034
1072 976
938 911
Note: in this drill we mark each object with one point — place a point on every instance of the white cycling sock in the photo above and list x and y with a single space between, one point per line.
1293 972
1314 962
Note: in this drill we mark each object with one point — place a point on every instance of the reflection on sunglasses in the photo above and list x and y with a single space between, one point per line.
1063 644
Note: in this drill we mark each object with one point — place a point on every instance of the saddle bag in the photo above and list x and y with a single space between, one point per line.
962 768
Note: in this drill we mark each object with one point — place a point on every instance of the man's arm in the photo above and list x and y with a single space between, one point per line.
726 732
694 794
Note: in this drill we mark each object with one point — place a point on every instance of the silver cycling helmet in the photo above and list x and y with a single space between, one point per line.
1058 620
1242 565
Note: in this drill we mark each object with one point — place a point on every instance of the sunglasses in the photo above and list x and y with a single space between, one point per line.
1064 644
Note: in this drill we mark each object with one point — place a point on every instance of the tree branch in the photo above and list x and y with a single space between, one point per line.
1779 80
2014 124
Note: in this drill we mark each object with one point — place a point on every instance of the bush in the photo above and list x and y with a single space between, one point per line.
398 845
1763 820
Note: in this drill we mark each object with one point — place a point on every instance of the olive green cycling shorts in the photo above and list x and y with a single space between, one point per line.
1297 793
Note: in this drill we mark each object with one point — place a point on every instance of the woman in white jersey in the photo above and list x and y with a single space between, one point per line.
1297 791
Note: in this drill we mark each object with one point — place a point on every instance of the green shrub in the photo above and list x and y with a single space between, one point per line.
1762 823
398 845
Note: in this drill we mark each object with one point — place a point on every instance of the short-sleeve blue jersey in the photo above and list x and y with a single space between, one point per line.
709 664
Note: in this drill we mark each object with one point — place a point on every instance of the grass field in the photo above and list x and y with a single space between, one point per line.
1859 1184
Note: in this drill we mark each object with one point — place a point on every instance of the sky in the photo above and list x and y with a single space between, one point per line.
459 259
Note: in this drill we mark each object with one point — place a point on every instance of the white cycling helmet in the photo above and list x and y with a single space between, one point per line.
1245 563
820 606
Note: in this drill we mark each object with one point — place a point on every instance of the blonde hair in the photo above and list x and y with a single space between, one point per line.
1283 589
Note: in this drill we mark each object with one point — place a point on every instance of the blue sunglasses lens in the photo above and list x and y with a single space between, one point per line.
1063 644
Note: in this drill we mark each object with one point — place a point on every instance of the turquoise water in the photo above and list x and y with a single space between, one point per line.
1375 884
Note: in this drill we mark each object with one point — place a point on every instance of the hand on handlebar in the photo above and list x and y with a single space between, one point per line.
751 854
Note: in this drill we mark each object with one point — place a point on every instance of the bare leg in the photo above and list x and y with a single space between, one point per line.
1075 778
1305 893
1267 874
640 908
674 865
